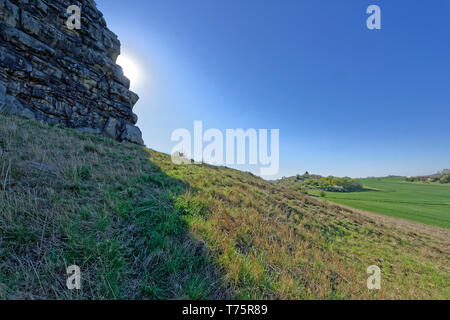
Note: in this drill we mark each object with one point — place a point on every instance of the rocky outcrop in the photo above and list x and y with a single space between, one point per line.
57 75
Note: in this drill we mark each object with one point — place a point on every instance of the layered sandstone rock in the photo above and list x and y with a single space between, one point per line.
57 75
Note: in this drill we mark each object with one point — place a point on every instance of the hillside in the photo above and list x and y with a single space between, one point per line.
141 227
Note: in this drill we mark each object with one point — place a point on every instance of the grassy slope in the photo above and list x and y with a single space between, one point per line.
426 203
141 227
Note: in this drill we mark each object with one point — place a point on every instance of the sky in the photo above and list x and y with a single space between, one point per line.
348 101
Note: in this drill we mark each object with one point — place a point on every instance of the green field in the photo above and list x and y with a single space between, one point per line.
426 203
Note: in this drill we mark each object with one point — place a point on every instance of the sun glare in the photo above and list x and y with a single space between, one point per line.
130 69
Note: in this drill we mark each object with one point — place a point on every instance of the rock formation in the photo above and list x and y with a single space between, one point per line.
54 74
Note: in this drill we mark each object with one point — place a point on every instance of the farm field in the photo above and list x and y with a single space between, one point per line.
393 196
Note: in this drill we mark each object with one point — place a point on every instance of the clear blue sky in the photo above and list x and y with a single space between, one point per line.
348 101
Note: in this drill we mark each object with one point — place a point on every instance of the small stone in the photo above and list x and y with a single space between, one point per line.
39 174
38 168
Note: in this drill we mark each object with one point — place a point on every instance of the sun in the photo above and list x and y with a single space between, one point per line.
130 69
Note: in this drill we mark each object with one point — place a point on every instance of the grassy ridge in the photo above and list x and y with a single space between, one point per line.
141 227
426 203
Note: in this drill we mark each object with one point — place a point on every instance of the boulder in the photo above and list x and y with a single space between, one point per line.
132 134
10 105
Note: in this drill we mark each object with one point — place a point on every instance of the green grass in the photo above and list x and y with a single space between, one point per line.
107 208
141 227
393 196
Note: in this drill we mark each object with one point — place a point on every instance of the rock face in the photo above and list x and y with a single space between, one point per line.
57 75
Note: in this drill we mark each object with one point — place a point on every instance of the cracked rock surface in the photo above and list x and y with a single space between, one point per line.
57 75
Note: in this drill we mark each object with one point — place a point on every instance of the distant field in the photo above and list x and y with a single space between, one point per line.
426 203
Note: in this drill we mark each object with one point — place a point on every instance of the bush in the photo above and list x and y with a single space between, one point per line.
445 178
